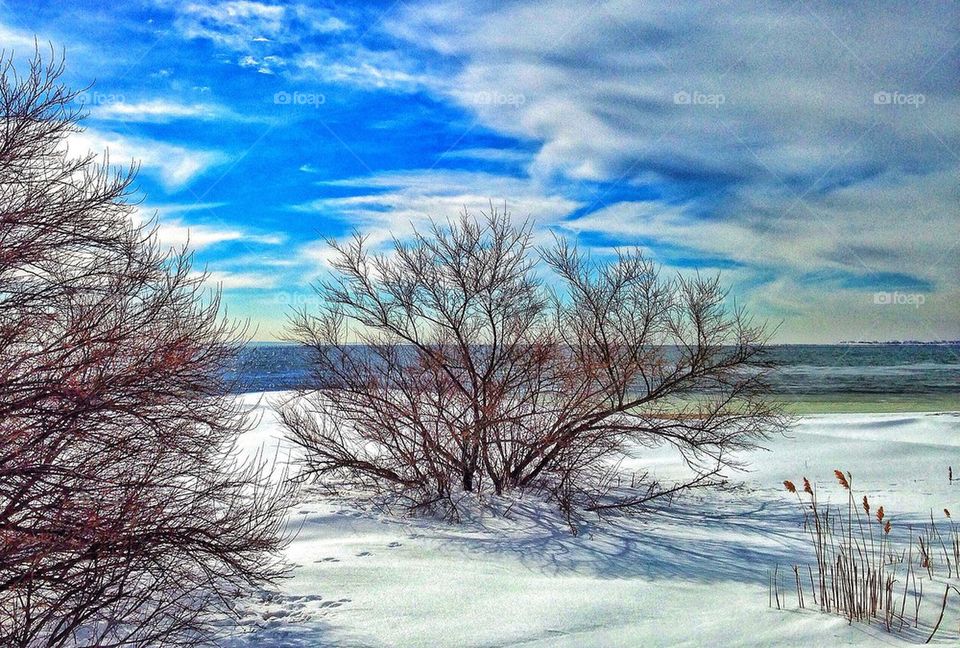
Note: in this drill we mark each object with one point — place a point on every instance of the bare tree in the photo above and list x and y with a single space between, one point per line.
125 518
448 366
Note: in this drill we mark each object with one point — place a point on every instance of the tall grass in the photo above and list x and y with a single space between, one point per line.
859 571
853 576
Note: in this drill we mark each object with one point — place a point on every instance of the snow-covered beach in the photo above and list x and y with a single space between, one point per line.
694 573
479 324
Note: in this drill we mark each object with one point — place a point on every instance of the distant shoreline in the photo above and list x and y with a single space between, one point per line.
893 343
803 405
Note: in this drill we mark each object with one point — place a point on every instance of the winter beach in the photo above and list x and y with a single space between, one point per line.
690 574
434 324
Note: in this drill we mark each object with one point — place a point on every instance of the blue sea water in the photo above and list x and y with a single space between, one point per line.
799 370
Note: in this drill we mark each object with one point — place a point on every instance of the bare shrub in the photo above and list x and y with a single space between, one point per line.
447 365
124 518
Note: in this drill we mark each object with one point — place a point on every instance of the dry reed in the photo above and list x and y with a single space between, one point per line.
857 567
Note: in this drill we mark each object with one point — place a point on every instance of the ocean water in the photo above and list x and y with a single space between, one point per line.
911 376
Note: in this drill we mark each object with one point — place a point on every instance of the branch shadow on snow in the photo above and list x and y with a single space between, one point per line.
281 634
695 539
734 537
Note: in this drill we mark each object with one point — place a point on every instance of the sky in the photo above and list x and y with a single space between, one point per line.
807 151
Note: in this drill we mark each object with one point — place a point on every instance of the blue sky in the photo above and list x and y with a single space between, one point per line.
807 150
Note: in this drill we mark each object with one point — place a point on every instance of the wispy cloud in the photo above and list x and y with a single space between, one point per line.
810 150
174 165
503 155
392 204
240 280
364 68
252 29
234 23
175 229
796 141
660 91
158 110
18 40
282 39
175 232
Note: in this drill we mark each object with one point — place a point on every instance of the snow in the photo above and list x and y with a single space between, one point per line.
692 574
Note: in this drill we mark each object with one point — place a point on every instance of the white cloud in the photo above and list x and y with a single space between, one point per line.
408 198
175 166
317 256
318 20
174 230
157 110
259 33
758 121
805 267
250 28
599 85
503 155
240 280
362 67
21 42
234 23
264 65
176 233
391 205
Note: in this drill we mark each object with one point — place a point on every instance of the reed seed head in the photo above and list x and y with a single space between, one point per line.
946 512
886 527
791 488
806 486
866 505
842 479
880 514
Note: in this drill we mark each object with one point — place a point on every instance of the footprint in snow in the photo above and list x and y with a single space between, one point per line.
348 513
334 604
364 553
330 560
393 545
